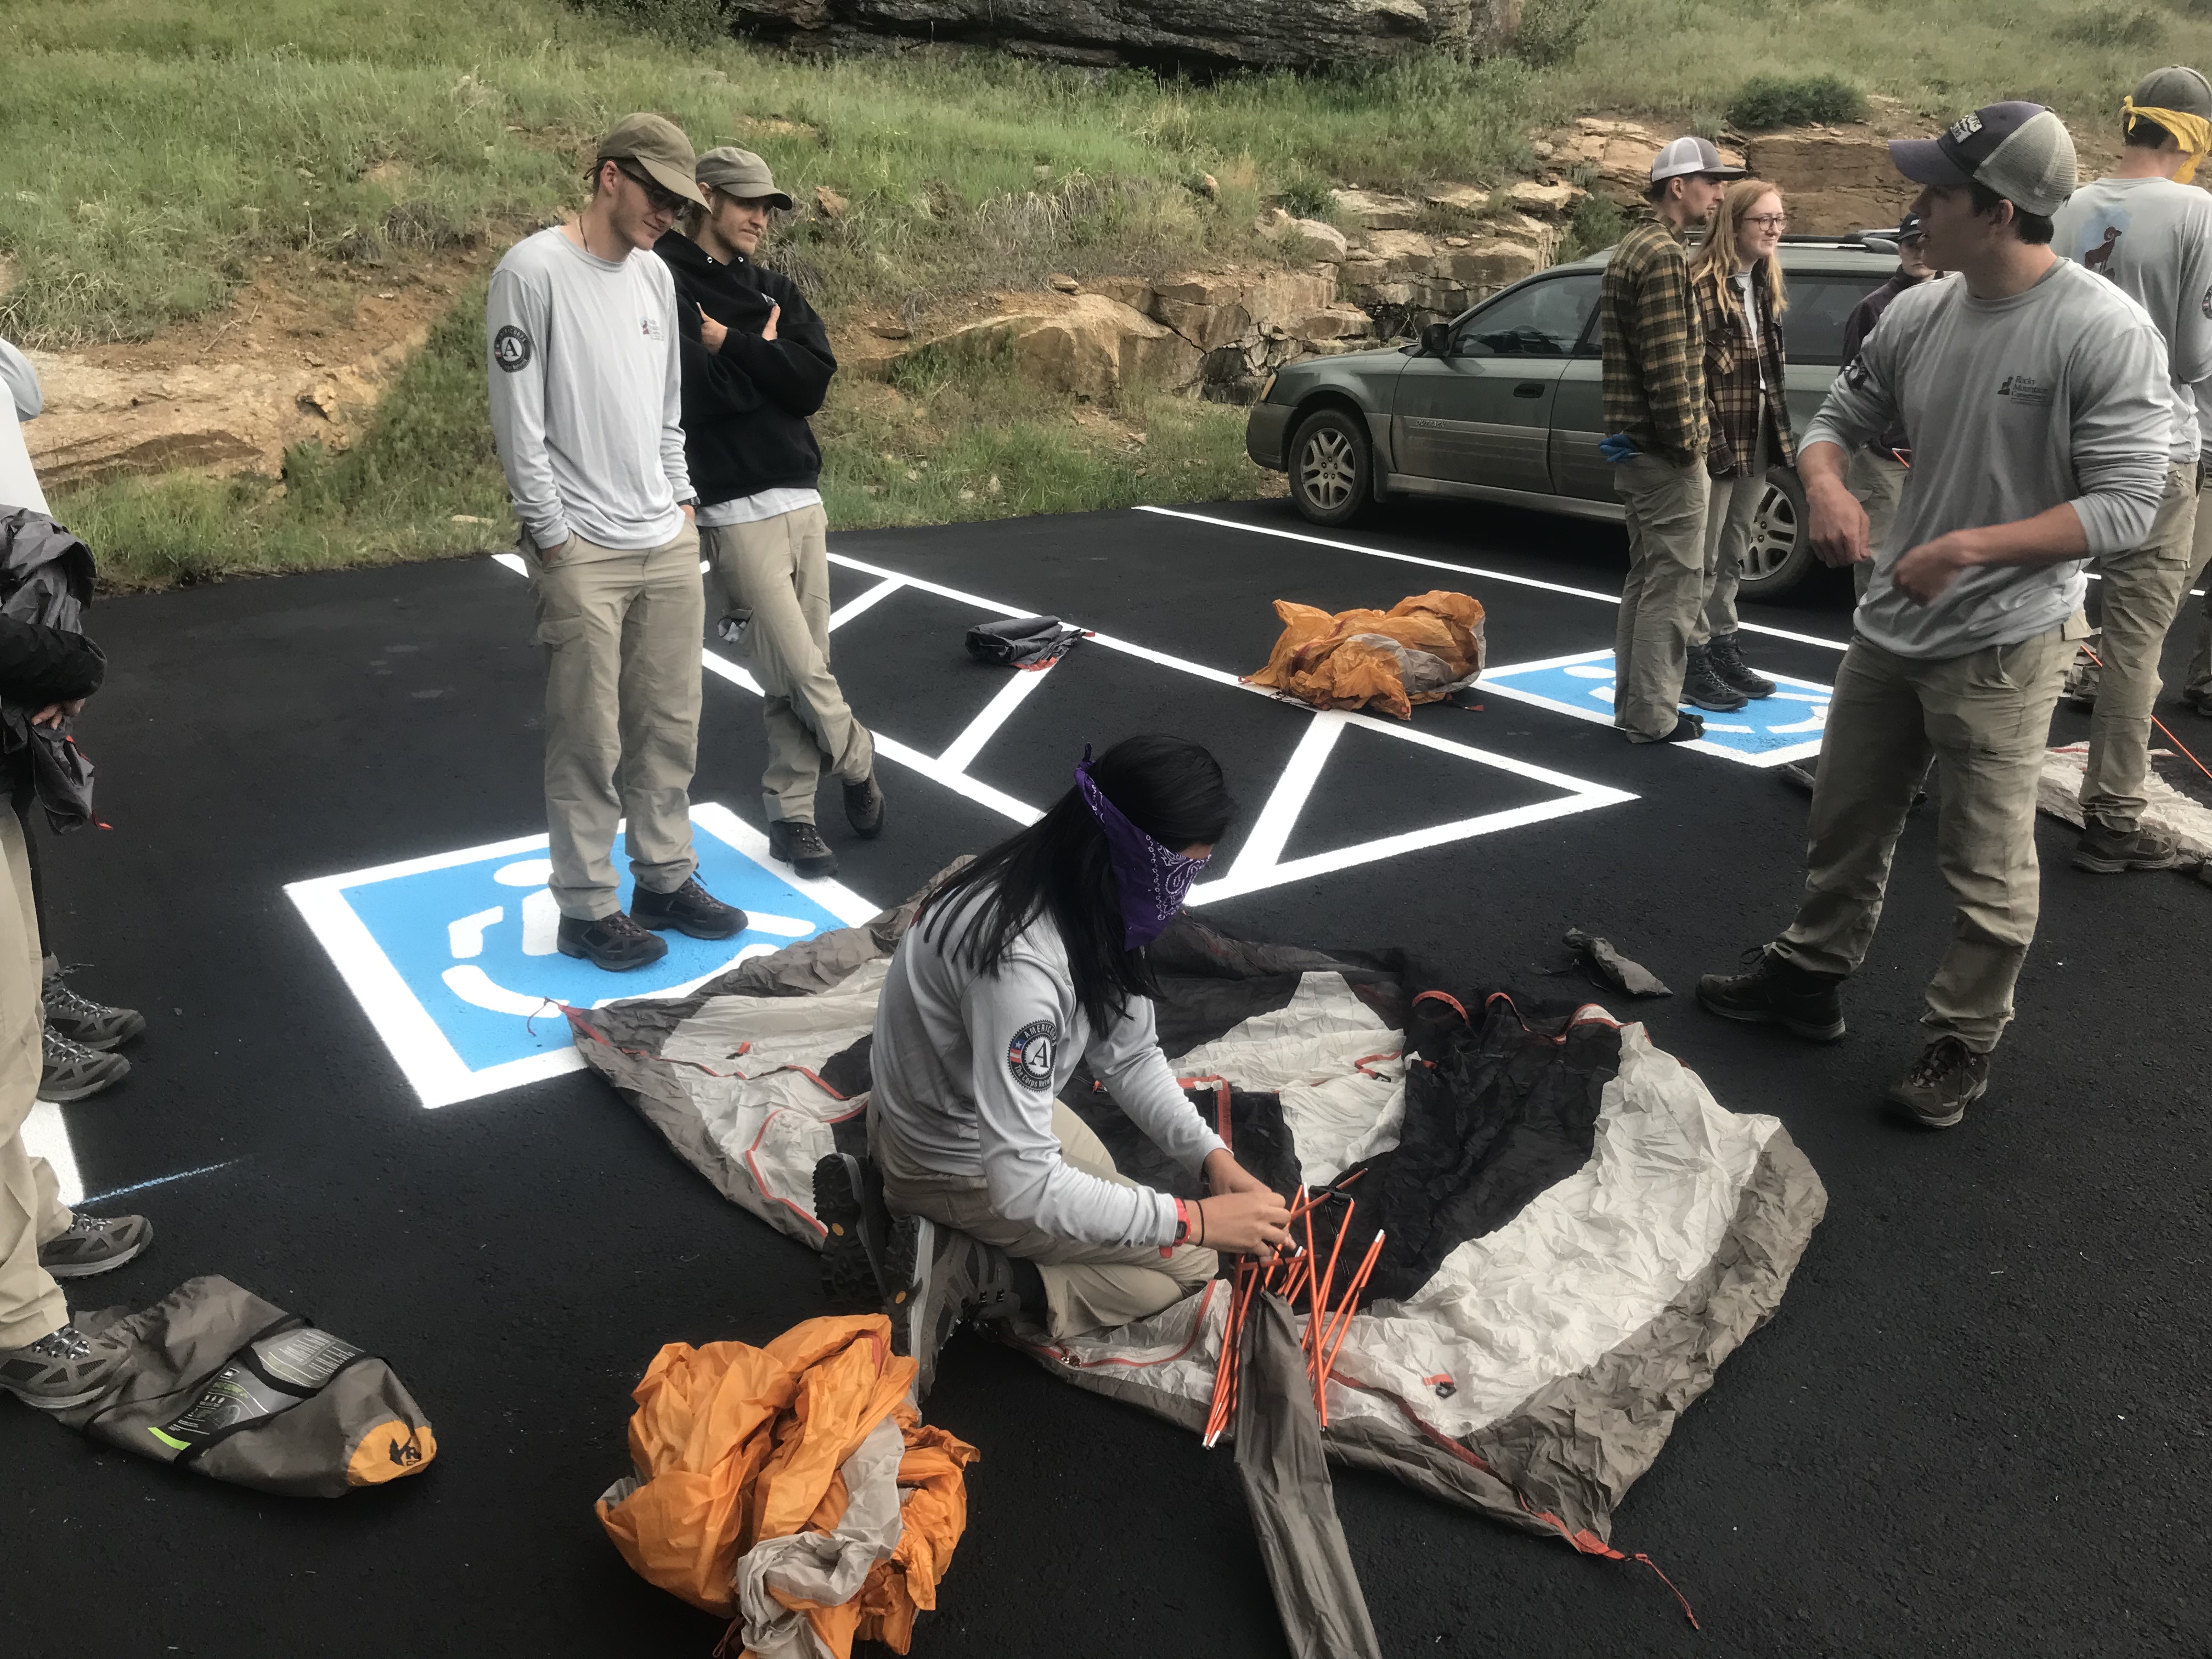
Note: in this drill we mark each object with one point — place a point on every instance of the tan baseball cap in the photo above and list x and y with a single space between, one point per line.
741 173
657 145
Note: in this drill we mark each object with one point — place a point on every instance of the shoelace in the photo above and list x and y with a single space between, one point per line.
60 1000
1945 1056
61 1047
84 1226
806 841
622 926
67 1344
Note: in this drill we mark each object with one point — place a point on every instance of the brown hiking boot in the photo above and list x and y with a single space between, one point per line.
1947 1079
2105 851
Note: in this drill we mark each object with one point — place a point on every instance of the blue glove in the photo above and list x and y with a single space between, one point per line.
1618 447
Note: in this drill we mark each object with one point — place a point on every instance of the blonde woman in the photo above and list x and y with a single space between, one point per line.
1736 281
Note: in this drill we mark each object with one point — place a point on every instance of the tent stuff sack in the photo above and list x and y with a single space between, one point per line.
1578 1233
226 1385
1022 641
791 1489
1421 650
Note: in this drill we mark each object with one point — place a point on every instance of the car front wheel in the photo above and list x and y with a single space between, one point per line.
1331 466
1780 554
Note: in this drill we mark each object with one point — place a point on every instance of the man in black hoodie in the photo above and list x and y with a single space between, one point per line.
756 363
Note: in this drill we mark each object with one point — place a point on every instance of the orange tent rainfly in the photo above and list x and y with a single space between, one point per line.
1421 650
792 1488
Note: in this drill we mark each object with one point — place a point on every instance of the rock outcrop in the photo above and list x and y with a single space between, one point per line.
1160 33
1616 155
1833 178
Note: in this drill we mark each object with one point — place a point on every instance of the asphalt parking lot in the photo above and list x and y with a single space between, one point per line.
1978 1425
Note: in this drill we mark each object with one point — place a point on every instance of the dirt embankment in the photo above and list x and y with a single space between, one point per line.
302 355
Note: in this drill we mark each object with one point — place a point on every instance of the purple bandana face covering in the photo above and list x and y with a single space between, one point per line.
1153 880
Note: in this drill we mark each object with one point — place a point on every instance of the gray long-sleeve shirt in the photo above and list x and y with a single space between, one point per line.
2154 239
2054 397
587 394
19 480
966 1066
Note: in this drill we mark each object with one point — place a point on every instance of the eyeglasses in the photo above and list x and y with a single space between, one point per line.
1769 221
658 197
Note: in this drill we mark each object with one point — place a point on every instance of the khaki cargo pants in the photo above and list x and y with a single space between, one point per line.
1664 593
2140 592
31 1211
1878 481
1987 716
2198 685
1088 1287
623 633
779 569
1731 508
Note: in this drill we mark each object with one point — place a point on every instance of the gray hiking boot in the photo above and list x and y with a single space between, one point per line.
863 807
848 1202
1704 687
799 844
938 1278
95 1244
1947 1079
65 1370
93 1025
72 1070
1726 656
2105 851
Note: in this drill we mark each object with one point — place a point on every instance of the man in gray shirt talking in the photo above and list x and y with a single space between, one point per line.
2147 231
586 405
2035 399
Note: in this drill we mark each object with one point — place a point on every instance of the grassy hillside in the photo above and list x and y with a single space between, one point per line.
161 148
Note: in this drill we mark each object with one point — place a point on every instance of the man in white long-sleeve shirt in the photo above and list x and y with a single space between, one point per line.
2034 396
2148 231
586 405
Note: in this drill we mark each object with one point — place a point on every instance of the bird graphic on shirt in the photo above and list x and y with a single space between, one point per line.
2099 258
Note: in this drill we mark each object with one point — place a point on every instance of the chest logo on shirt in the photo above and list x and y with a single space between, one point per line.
1028 1056
510 348
653 329
2026 391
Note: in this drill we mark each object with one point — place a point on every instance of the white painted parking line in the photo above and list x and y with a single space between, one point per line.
1464 569
1258 864
1767 731
462 1029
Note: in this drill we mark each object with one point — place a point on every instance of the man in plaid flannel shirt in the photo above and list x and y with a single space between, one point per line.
1655 411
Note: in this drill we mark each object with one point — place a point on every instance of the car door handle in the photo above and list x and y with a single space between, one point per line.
1529 389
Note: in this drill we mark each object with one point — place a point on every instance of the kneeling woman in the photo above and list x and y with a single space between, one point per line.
1024 963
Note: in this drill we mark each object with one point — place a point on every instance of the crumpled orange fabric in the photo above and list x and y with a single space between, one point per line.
735 1444
1325 661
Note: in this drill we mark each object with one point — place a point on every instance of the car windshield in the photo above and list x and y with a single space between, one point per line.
1543 320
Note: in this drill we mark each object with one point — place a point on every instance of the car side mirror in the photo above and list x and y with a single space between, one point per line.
1436 340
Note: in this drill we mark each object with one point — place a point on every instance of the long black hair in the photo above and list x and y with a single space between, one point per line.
1169 787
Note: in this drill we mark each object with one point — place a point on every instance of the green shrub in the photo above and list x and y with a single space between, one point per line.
1597 223
1551 30
2116 31
1776 100
1305 196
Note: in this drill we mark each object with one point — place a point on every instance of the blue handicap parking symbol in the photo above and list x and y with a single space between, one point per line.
1766 732
453 956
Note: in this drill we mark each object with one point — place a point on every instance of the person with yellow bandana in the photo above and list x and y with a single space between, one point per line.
2147 231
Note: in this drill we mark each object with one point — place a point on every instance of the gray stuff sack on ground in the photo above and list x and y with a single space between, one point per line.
237 1389
1609 967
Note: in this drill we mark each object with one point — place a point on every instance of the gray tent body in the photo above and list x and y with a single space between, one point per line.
1536 1375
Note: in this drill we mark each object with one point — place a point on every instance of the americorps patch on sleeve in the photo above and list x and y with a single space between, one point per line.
452 958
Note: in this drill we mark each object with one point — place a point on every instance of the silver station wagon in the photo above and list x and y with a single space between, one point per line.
1505 404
